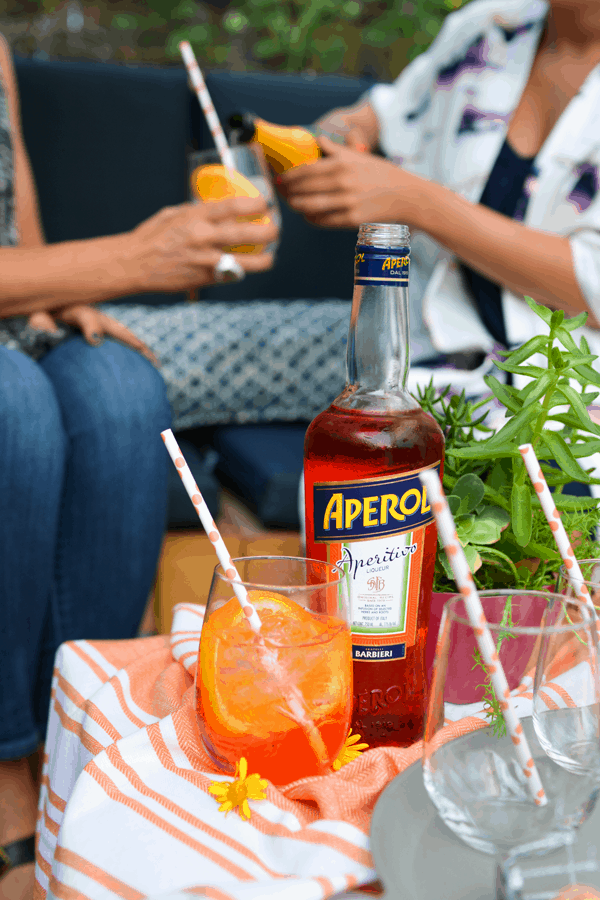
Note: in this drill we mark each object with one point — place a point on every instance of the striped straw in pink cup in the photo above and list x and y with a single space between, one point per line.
540 486
464 581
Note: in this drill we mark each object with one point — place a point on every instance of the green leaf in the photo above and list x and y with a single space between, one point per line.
497 515
571 422
470 489
574 504
574 399
480 451
513 427
520 508
540 551
501 393
445 564
473 557
585 448
561 452
580 359
536 389
535 344
454 504
484 531
556 319
526 371
464 526
542 311
500 474
575 321
588 375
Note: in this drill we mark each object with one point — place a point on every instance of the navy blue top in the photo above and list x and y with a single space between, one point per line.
504 192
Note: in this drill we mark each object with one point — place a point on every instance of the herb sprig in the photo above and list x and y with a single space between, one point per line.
500 523
553 384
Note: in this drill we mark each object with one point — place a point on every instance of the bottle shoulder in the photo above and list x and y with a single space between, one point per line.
350 431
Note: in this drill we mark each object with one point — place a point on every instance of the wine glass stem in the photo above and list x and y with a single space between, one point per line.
508 879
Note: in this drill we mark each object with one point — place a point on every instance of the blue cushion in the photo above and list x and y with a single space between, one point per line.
107 144
262 464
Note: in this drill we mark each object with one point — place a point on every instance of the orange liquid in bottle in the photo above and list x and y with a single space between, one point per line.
345 444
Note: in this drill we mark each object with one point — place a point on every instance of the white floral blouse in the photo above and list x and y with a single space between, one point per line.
446 118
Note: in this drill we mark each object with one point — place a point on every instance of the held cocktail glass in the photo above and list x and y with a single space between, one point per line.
209 180
281 699
548 647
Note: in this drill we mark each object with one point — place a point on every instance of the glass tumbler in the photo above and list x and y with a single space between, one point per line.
281 698
250 163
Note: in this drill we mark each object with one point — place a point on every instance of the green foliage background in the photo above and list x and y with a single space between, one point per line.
351 37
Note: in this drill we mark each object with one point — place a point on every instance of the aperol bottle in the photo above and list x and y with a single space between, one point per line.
366 509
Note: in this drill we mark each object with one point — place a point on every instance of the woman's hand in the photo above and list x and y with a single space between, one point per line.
179 247
357 124
94 326
346 188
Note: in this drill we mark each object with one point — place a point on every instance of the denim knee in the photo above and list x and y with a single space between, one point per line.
30 418
100 386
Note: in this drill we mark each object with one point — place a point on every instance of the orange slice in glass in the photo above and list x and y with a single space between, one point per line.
214 182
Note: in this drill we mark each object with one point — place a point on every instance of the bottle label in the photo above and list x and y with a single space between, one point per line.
374 529
380 265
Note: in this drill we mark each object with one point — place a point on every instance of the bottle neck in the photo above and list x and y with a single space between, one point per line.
378 359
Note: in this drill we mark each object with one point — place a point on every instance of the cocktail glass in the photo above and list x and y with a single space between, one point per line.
281 699
250 164
548 649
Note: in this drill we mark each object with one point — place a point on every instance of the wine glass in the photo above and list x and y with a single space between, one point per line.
590 569
548 648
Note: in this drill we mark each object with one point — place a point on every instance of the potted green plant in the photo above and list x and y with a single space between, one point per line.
500 523
499 520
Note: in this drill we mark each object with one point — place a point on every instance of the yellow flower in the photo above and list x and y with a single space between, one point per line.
348 752
232 794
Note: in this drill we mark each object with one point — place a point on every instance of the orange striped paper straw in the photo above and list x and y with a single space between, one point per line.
540 486
210 113
211 529
291 693
464 581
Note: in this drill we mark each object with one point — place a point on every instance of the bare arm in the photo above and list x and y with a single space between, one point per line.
175 250
522 259
347 188
26 204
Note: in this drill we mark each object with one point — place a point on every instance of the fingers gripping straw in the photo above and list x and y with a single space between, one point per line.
540 486
199 85
290 692
464 580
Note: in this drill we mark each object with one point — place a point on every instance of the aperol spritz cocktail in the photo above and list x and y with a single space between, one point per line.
281 699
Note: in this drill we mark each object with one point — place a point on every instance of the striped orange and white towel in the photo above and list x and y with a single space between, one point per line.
125 810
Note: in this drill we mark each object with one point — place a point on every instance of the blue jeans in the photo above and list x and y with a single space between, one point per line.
83 488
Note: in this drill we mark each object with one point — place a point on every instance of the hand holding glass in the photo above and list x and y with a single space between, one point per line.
210 181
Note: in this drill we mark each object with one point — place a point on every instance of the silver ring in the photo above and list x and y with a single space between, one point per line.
228 269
